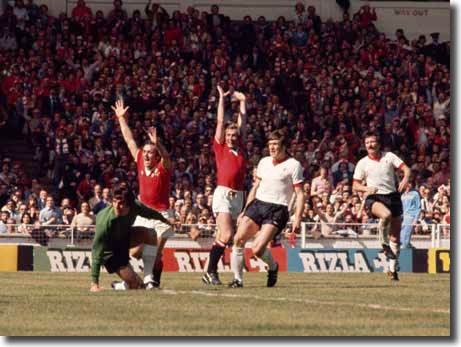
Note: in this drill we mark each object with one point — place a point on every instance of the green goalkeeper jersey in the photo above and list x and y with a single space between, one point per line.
113 233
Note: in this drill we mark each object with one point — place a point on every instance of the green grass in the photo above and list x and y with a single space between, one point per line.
352 304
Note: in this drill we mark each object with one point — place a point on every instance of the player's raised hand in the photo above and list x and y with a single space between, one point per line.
152 133
120 109
239 96
221 92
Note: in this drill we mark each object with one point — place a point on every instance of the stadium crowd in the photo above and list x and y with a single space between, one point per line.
322 82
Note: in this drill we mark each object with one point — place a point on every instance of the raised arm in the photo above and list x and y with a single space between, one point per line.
219 134
242 119
166 161
320 213
121 111
340 212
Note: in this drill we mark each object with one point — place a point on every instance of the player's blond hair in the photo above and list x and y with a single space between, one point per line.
231 126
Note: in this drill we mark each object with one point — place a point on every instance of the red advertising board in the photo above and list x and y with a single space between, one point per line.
196 260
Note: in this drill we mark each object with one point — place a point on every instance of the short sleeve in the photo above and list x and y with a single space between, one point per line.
260 169
297 174
396 161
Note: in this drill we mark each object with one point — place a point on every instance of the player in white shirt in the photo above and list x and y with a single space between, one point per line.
266 211
375 175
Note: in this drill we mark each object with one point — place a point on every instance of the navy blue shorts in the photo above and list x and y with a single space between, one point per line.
392 201
267 213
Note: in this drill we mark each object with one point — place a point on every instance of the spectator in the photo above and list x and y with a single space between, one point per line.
97 196
25 226
10 226
82 12
328 219
321 183
10 207
41 203
83 221
50 214
4 216
106 200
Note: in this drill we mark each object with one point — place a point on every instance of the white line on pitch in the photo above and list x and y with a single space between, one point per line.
306 301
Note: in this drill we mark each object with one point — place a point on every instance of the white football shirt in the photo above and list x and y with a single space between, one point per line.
379 173
278 180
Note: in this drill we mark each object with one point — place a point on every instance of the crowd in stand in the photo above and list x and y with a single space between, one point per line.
322 82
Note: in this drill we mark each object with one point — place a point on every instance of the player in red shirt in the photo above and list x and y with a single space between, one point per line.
230 170
154 173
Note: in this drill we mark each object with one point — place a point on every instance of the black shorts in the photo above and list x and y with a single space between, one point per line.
392 201
115 260
267 213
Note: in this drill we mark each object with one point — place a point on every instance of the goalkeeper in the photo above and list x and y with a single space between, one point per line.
116 238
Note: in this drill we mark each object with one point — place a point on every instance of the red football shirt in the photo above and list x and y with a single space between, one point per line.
154 189
230 166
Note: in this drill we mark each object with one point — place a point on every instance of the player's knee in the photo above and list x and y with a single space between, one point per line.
239 241
224 236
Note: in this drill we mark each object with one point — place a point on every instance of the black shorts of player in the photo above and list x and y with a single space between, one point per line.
267 213
115 260
392 201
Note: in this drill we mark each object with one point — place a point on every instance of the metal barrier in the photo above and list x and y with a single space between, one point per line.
440 234
69 236
356 230
73 236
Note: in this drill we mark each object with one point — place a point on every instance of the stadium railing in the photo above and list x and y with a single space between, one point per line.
62 236
439 233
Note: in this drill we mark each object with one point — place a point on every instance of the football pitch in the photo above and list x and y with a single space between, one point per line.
301 304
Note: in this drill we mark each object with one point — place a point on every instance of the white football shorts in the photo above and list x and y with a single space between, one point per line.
227 200
162 230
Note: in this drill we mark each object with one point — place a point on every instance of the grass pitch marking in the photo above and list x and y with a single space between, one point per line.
305 301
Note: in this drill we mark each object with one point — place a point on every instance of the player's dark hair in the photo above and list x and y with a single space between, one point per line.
122 191
278 135
371 133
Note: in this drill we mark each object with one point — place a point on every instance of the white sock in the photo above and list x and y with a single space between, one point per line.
148 257
268 259
395 247
237 260
120 286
